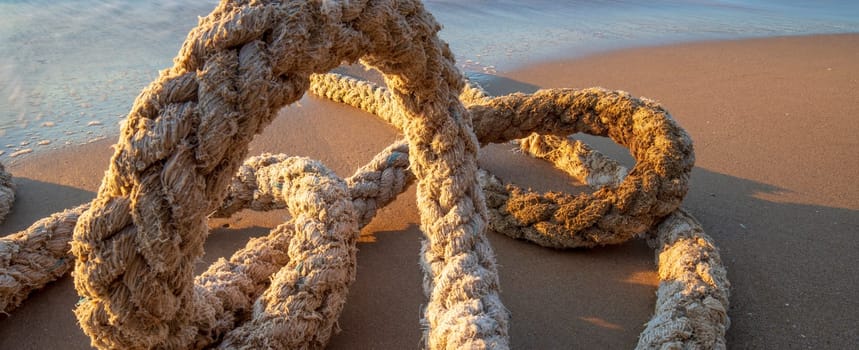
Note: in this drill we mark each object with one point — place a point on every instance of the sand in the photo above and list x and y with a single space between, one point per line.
774 123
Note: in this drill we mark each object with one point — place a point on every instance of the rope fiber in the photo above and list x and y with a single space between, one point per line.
180 158
188 132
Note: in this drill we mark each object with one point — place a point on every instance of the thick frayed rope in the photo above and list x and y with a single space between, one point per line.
261 186
575 158
613 214
373 186
34 257
7 193
160 137
692 298
692 303
300 307
654 187
188 132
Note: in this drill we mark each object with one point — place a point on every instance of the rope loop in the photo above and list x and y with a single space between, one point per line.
189 130
135 245
654 188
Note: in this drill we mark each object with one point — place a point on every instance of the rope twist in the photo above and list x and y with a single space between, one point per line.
188 132
135 245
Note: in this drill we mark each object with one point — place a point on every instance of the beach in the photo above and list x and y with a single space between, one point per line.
70 69
774 121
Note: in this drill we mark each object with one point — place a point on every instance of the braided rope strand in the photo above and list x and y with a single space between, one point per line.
136 245
611 215
692 296
692 302
36 256
692 299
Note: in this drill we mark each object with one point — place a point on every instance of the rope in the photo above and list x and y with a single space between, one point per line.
188 132
692 303
258 186
373 186
309 261
7 193
611 215
32 258
136 243
692 298
575 158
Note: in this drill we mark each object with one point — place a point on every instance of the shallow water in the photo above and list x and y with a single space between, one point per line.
70 69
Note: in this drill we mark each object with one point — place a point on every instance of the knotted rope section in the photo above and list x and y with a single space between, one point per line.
610 215
7 192
692 298
134 246
693 293
38 255
373 186
188 132
309 262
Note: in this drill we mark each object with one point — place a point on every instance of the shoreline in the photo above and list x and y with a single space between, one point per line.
773 120
106 131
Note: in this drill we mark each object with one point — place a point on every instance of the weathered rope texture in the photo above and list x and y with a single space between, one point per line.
7 192
300 307
575 158
188 132
377 183
263 184
692 304
654 187
692 299
693 291
34 257
613 214
373 186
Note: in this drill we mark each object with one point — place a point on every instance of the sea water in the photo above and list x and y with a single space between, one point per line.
70 70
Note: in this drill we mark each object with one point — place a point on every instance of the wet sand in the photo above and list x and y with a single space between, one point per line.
774 123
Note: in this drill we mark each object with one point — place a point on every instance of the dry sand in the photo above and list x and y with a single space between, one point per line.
774 122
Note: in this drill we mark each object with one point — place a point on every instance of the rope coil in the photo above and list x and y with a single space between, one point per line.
301 271
387 175
611 215
188 131
692 298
